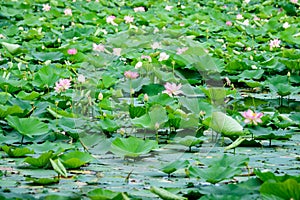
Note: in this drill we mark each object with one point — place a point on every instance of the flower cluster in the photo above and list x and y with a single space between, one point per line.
62 85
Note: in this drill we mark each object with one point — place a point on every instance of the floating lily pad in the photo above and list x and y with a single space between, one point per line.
28 126
150 120
214 174
9 110
174 166
76 159
289 189
188 141
261 133
102 194
42 161
132 146
42 181
16 152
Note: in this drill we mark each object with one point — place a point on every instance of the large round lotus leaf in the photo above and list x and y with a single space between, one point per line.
225 124
28 126
132 146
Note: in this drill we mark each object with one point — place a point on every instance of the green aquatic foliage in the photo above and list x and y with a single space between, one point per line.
164 194
224 124
16 151
103 194
132 147
28 126
174 166
75 159
42 161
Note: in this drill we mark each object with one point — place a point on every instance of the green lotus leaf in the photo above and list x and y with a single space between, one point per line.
28 126
174 166
261 133
251 74
271 177
149 120
224 124
42 161
59 167
132 146
214 174
109 125
289 189
16 152
188 141
43 56
164 194
9 110
225 160
102 194
42 181
75 159
11 48
28 96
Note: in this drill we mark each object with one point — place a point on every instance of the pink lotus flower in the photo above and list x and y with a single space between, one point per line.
68 12
172 89
62 85
239 16
110 20
98 47
285 25
46 7
131 75
252 117
139 9
128 19
255 18
146 57
181 50
117 51
168 8
274 43
138 65
294 1
156 45
72 51
229 23
81 78
163 56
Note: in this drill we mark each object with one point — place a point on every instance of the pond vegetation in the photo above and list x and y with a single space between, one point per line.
149 99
